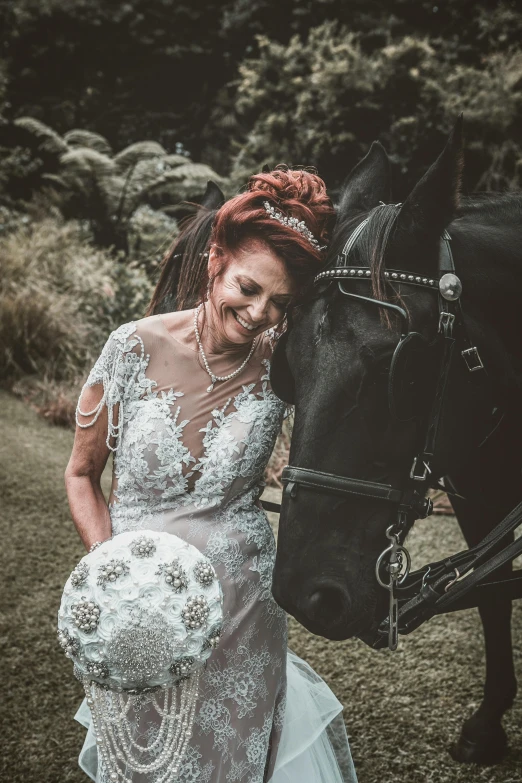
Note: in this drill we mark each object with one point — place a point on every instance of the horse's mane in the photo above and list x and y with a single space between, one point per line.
491 204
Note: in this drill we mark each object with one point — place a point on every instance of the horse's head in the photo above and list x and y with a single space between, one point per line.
334 365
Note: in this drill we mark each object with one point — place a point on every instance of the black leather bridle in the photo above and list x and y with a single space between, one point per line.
425 590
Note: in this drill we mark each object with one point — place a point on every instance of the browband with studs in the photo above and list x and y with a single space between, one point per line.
392 276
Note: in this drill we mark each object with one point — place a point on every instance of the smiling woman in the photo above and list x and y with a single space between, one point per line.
190 460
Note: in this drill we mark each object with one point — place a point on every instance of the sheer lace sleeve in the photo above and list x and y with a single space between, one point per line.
114 370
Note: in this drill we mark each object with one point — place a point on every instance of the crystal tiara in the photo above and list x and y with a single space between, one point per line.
293 223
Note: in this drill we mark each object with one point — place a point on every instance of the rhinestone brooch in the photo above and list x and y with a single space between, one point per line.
112 571
174 575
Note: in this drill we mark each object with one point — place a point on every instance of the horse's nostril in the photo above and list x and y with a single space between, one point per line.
328 603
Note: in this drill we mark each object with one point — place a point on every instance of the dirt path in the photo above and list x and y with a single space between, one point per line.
402 709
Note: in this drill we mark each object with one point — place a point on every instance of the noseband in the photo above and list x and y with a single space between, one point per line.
410 501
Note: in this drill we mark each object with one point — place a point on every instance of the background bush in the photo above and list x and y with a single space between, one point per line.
305 82
60 297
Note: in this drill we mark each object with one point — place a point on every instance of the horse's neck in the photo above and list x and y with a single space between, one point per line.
487 247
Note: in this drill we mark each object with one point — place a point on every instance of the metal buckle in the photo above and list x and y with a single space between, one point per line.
446 322
472 358
413 472
397 560
428 508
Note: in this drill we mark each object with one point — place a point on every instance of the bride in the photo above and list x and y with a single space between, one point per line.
183 400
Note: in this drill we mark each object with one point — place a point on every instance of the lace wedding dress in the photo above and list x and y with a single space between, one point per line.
191 463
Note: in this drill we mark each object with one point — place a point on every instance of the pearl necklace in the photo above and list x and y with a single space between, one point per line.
215 378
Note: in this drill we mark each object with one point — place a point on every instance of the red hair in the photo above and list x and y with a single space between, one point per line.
296 193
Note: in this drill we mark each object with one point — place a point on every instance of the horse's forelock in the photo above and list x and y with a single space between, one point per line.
371 246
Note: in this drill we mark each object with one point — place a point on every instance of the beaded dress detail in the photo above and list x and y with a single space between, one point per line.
192 463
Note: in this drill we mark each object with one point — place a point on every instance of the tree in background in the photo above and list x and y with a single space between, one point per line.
324 100
177 73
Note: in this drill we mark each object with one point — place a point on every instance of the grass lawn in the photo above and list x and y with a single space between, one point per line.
402 709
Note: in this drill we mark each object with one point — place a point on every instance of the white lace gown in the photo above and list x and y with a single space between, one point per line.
191 463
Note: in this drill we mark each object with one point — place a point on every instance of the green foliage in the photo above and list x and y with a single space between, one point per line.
244 82
323 100
59 299
142 150
84 138
129 200
45 140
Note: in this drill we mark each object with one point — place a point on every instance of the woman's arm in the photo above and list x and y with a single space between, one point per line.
82 477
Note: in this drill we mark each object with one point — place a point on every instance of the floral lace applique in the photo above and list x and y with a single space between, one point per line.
252 768
233 691
151 458
226 550
191 770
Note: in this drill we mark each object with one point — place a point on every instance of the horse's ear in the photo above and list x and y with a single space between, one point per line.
368 183
214 197
434 200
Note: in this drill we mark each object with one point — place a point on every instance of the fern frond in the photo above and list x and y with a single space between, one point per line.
142 150
88 161
85 138
45 138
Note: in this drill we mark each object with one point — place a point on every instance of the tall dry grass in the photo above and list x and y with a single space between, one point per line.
59 299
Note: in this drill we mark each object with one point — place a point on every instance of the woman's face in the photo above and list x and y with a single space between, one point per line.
251 294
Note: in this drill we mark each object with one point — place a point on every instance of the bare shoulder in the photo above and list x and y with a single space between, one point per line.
177 321
179 325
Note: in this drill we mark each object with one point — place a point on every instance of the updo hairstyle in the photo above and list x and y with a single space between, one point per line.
296 193
229 226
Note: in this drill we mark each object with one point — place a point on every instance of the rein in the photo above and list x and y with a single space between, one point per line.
438 587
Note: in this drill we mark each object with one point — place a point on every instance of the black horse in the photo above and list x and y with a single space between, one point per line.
334 364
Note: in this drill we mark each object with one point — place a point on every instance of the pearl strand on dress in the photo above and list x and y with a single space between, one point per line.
215 378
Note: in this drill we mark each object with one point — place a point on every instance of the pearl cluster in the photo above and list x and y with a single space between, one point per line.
174 575
182 668
143 546
196 612
215 378
142 649
68 643
112 571
358 273
79 574
204 573
98 669
86 615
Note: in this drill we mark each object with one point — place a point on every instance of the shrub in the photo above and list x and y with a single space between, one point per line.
322 100
60 297
131 200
